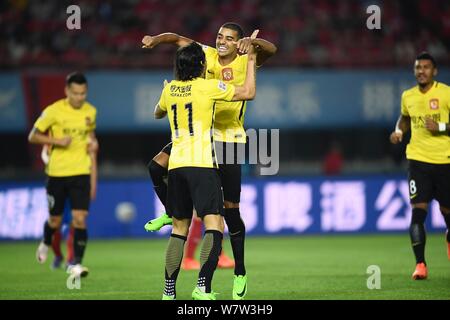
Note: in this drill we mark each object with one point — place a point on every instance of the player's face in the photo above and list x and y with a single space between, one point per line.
225 42
424 72
76 93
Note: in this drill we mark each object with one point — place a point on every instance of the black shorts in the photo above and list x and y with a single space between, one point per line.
167 149
230 170
429 181
76 188
197 188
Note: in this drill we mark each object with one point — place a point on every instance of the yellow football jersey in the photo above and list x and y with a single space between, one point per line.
63 120
424 145
190 107
229 123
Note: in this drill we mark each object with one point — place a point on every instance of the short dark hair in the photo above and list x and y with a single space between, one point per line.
426 56
234 26
190 62
76 77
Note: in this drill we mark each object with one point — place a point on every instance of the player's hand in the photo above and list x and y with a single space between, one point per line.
431 125
396 137
243 45
63 142
148 42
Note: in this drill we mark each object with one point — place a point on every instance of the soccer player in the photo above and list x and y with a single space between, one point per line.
425 110
71 123
226 62
193 179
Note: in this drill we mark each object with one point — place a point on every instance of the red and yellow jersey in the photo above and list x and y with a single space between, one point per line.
61 120
190 107
229 122
424 145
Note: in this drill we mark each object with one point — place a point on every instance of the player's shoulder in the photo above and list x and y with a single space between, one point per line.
409 92
208 49
88 107
208 84
442 86
55 106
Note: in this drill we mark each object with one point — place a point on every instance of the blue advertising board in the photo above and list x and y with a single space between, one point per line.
285 99
273 206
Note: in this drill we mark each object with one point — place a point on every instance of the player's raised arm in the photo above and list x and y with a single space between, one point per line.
264 49
149 42
248 90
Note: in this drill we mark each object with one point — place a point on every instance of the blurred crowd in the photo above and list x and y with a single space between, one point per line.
308 33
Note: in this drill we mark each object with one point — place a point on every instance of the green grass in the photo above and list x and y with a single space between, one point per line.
301 267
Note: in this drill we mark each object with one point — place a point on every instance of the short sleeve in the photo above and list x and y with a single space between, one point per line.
162 101
45 121
94 120
404 109
219 90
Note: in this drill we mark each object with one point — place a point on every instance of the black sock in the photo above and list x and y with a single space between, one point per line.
158 174
417 234
447 223
209 256
48 234
80 238
174 256
236 230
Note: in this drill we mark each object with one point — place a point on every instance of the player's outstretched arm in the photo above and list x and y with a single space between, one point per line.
248 90
264 49
149 42
403 125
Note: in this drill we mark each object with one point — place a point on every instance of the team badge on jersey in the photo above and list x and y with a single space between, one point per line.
227 74
434 104
88 121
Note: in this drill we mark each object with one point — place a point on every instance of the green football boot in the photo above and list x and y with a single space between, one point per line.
198 294
239 287
158 223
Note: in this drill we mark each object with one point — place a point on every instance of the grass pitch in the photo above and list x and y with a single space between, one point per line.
279 268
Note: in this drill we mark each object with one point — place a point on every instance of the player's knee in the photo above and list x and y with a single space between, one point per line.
213 222
54 222
418 216
79 220
79 224
180 227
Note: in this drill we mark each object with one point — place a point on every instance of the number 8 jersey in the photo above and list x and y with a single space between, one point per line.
190 106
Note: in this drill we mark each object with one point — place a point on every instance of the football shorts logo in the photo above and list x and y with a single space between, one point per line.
51 201
227 74
434 104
